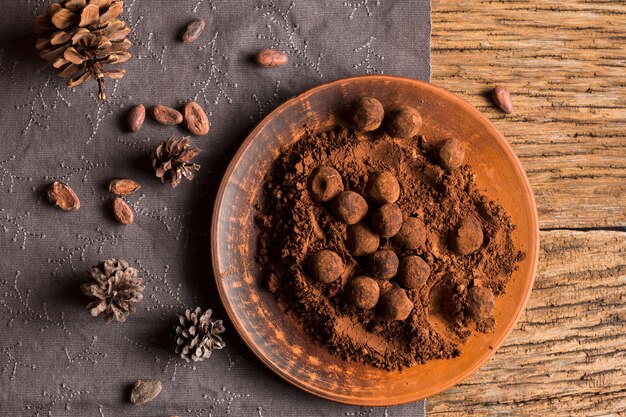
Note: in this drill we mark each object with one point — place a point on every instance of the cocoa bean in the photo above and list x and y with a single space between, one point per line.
166 115
502 99
145 390
192 31
271 58
123 186
122 211
62 196
196 119
136 117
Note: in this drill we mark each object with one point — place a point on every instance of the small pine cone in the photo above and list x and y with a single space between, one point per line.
171 160
79 37
197 334
115 287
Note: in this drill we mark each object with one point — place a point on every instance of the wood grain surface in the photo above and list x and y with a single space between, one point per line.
568 353
565 64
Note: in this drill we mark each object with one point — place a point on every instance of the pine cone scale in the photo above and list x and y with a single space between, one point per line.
60 37
80 79
114 11
101 3
73 56
62 18
69 70
89 15
53 8
75 5
96 308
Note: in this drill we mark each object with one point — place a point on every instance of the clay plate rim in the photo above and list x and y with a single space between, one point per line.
516 166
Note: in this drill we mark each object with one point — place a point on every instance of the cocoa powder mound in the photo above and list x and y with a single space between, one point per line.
292 226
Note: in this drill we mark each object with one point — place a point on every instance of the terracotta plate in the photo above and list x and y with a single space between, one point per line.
269 333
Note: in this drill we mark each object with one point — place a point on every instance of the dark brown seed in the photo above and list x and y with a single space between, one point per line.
502 99
136 117
62 196
122 211
166 115
123 186
192 31
196 119
145 390
271 58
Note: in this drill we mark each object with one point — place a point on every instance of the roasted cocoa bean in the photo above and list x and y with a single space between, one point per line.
192 31
166 115
196 119
136 117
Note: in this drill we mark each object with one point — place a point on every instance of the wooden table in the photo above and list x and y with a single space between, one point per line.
565 64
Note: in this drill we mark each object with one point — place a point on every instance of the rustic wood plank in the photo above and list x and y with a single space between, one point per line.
567 355
565 64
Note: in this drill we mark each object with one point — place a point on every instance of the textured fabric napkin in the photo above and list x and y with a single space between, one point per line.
56 360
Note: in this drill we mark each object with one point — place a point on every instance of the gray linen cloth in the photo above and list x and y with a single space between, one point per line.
56 360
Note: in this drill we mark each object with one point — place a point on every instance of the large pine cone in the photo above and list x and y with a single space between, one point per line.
115 288
171 160
197 334
80 37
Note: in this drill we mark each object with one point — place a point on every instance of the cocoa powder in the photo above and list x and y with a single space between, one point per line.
293 227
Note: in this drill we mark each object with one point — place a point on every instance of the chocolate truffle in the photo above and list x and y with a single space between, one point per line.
412 234
324 184
367 114
349 207
467 237
382 188
361 240
383 264
450 153
480 302
325 266
413 272
387 220
363 292
404 122
395 305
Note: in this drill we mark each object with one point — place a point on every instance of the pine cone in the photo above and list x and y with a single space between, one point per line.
79 37
172 160
116 287
197 335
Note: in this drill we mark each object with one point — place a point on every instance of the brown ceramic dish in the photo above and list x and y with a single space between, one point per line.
271 334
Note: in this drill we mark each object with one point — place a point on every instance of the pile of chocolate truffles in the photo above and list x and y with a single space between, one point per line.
375 215
370 218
